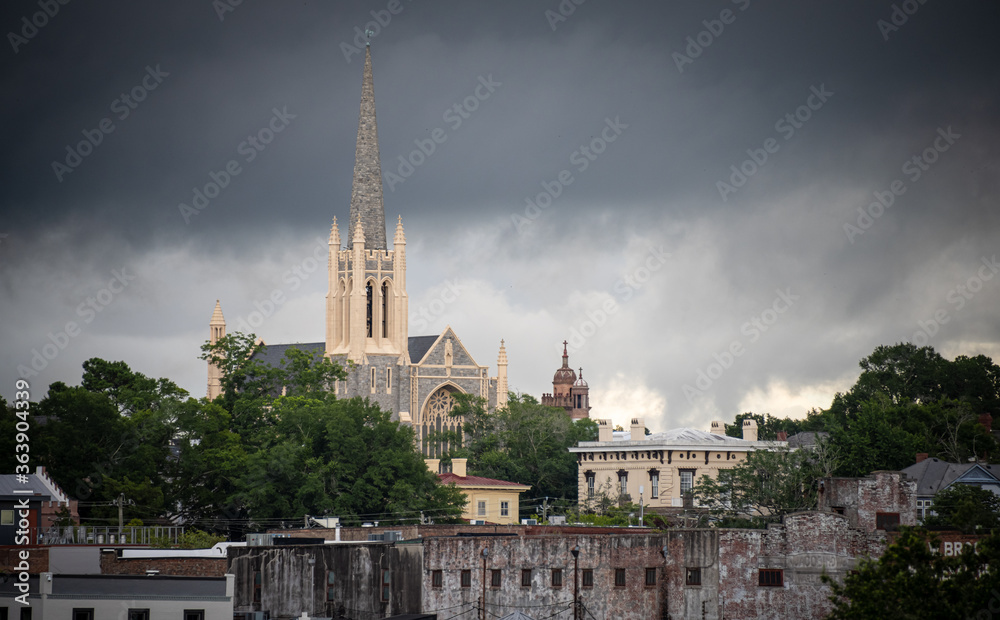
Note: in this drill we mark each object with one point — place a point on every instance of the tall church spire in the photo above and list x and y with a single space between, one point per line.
366 194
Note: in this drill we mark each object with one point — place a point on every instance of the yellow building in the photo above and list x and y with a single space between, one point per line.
660 467
488 500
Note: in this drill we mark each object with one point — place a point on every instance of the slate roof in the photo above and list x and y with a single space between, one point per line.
8 483
934 475
805 438
695 436
419 346
478 481
274 354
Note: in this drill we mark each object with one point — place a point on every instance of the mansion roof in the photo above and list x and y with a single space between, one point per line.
678 438
479 481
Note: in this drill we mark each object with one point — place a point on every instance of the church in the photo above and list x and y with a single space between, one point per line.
367 321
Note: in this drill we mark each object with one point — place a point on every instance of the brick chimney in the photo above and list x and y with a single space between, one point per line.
986 421
782 436
921 456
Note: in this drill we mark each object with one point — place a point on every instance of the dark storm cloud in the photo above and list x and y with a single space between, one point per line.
692 86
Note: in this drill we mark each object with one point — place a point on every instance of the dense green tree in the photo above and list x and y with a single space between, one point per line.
967 508
765 486
768 426
523 442
912 580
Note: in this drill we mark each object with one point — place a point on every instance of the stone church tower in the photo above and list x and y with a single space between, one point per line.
569 391
216 329
367 310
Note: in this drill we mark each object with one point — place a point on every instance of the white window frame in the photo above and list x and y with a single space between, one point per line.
481 508
686 479
504 509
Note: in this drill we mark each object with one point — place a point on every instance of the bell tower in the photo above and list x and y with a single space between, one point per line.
366 303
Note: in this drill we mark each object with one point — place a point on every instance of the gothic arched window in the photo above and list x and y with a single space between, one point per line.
368 294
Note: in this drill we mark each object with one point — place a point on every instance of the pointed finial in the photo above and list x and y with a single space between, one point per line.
335 233
359 231
502 357
565 355
399 238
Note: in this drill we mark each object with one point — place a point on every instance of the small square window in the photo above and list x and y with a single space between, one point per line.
650 576
437 578
25 613
138 614
6 517
588 578
495 578
771 577
557 577
504 509
466 578
78 614
693 577
526 578
194 614
887 521
619 577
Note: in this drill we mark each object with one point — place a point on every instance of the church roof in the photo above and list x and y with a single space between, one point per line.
366 192
274 354
419 346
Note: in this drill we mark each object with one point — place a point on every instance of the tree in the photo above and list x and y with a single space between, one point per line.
967 508
346 458
912 580
765 486
523 442
875 438
767 426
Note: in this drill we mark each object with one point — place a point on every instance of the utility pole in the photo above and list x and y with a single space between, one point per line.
121 514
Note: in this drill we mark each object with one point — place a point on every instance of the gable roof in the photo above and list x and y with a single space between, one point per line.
479 481
418 346
935 475
274 354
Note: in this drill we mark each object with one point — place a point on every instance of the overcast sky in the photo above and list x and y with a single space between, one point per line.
704 178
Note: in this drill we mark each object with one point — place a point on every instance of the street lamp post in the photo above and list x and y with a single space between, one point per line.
486 552
576 569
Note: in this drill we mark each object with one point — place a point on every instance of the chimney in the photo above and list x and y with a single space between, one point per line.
986 421
638 429
458 467
604 429
921 456
750 429
782 436
434 465
718 428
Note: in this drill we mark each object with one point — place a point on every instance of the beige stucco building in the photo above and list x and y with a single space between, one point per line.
488 500
665 465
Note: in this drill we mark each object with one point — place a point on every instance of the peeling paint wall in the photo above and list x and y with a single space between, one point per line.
322 579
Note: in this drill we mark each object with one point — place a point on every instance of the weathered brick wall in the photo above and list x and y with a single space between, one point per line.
111 564
410 532
38 559
862 498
